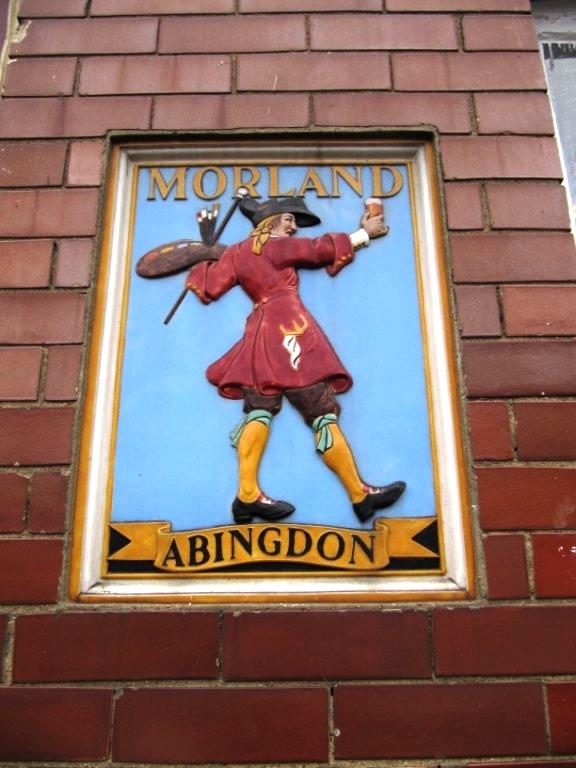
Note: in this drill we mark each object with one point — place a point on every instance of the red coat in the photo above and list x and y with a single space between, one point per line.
283 347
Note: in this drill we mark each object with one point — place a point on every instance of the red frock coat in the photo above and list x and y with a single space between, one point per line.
283 347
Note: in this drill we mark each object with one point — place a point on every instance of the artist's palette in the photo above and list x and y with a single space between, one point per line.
172 258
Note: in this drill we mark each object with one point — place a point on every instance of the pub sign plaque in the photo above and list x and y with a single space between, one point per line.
271 408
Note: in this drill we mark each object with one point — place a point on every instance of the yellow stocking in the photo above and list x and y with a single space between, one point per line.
340 459
250 449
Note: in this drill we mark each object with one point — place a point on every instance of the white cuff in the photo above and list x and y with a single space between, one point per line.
359 239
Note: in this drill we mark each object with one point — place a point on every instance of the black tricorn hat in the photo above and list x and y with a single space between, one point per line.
258 211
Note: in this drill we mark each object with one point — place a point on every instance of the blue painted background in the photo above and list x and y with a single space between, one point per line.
174 460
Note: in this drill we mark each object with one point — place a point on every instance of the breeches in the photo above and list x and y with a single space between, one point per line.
310 402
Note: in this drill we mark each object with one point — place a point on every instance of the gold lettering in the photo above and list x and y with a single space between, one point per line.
250 182
377 188
312 181
157 181
274 186
198 182
355 182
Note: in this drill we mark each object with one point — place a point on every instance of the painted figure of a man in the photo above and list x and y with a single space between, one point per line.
284 352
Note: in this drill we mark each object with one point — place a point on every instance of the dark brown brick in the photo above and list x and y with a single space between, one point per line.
463 206
73 265
154 74
527 157
467 71
478 310
554 564
514 113
31 164
315 646
47 513
75 116
221 726
48 212
36 436
313 72
13 494
502 257
516 368
300 6
116 646
40 77
382 32
243 111
506 567
490 431
84 36
528 206
234 34
3 631
54 724
63 372
29 573
562 708
36 317
447 111
499 33
543 310
25 264
85 164
526 497
20 372
531 640
142 7
32 8
546 431
434 721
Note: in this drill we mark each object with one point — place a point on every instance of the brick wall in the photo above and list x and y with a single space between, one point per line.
493 679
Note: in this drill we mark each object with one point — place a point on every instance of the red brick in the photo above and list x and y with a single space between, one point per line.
494 33
562 709
73 265
530 640
514 113
313 72
85 164
31 8
433 721
447 111
3 632
506 567
316 6
382 32
490 431
25 264
154 74
116 646
244 111
463 206
458 5
63 372
316 646
526 157
546 431
40 77
47 213
235 34
31 164
36 436
158 7
75 116
526 764
47 513
467 71
547 310
29 573
502 257
554 564
35 318
13 494
221 726
20 372
510 369
84 36
54 724
478 310
528 206
526 497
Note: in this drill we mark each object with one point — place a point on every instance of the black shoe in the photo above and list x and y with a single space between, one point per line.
378 498
263 507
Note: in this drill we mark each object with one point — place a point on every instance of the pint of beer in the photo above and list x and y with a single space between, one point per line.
374 206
